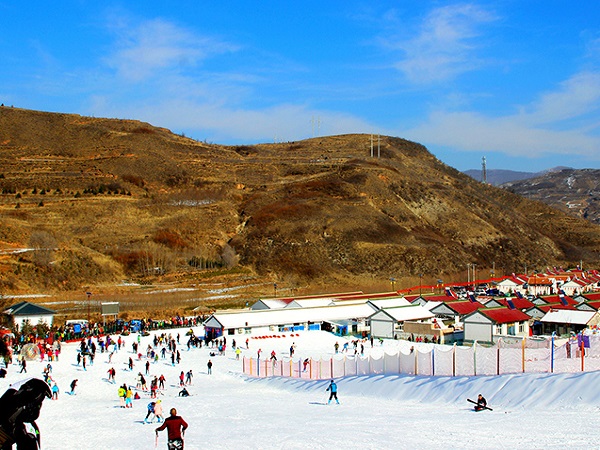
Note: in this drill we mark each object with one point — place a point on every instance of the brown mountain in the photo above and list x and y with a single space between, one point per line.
98 200
574 191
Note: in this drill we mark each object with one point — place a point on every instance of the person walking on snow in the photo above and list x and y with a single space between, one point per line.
332 388
176 427
209 366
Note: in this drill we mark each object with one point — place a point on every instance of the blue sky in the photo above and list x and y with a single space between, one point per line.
515 81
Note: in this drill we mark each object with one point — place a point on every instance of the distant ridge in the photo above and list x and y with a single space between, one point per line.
496 177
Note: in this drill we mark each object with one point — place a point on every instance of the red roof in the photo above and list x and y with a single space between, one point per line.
520 303
547 308
504 315
463 307
592 297
553 299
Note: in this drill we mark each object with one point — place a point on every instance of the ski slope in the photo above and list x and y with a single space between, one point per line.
227 410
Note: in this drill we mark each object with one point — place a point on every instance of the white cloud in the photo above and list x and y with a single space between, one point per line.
557 123
218 123
156 46
444 45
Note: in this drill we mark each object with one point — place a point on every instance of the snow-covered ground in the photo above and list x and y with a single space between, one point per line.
227 410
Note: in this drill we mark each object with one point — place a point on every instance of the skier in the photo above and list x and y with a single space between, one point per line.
73 386
158 412
129 398
184 393
188 377
111 374
176 427
333 392
481 403
122 394
54 391
181 378
161 381
23 365
150 411
305 364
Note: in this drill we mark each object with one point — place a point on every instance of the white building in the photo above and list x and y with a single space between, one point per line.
25 311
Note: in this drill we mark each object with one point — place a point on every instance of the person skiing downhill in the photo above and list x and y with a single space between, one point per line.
333 392
150 412
176 427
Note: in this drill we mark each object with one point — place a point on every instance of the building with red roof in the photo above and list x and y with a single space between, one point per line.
490 324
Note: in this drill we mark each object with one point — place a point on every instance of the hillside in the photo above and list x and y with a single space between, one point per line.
576 192
96 201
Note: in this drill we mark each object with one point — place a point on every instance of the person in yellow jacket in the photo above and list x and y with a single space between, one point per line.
129 398
122 395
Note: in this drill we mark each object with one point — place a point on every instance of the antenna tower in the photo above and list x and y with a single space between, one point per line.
483 171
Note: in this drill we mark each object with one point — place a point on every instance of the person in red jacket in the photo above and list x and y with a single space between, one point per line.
176 427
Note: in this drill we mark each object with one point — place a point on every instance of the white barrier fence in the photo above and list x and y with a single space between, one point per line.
440 360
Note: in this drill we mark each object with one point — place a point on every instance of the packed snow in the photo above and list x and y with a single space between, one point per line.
228 410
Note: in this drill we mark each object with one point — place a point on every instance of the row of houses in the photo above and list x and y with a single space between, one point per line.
572 282
441 318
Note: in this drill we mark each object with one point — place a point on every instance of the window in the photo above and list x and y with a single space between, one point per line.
499 329
521 327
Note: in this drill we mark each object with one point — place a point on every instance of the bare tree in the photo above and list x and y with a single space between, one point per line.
43 245
229 257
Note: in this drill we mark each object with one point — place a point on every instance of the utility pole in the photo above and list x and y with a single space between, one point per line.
89 301
371 145
378 146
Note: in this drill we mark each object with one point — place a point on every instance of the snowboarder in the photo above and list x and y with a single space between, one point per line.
73 386
481 403
176 427
332 388
305 364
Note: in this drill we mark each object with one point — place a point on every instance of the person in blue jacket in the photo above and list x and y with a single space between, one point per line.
332 388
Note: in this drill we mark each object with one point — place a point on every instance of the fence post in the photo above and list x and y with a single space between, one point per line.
344 365
582 351
258 366
416 361
523 354
498 360
454 359
552 352
475 358
433 361
331 365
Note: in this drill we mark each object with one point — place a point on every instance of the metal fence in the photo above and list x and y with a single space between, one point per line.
528 356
